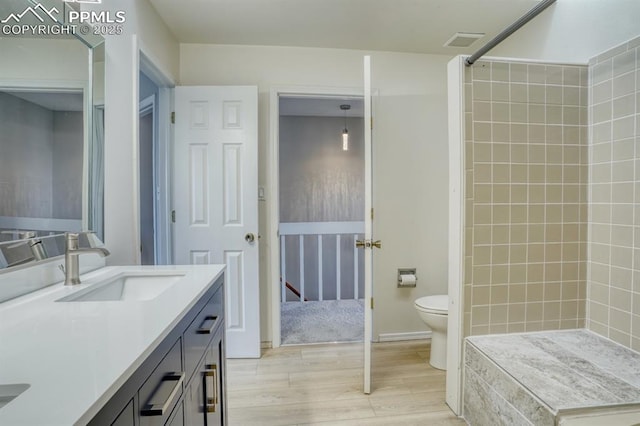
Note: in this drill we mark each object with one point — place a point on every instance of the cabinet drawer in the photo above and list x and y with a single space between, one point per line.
215 381
162 390
127 417
177 418
201 330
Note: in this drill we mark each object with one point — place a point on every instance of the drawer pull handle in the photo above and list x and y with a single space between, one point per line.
203 327
211 402
155 408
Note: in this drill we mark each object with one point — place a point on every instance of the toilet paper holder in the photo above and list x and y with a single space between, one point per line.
406 271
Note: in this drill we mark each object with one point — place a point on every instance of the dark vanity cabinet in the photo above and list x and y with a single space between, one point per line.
206 387
182 382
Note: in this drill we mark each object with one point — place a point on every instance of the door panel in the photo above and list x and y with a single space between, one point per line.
199 183
232 154
216 198
235 312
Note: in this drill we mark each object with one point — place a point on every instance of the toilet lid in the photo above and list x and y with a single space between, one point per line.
438 303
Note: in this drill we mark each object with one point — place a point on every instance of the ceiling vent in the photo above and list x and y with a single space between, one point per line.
463 39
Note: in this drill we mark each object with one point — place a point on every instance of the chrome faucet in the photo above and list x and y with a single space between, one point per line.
71 261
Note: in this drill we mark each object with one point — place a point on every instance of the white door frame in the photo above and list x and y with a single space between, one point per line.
273 199
455 333
164 106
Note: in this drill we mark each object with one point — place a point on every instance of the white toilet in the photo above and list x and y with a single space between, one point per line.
433 310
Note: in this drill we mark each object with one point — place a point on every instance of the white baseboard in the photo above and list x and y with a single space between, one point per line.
397 337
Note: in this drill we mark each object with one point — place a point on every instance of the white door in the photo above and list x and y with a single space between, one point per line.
215 197
370 244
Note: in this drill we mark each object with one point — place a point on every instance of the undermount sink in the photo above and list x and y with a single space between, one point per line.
126 287
10 392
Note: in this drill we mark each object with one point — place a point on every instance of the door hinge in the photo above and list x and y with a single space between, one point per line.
372 214
371 123
372 303
173 117
173 216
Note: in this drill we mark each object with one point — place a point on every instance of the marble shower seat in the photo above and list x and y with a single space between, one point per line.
547 378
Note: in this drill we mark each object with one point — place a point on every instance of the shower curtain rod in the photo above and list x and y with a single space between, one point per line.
535 11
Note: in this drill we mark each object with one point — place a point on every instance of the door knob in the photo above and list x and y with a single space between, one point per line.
376 244
360 244
250 238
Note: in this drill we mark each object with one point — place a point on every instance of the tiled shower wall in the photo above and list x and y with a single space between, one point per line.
526 185
614 263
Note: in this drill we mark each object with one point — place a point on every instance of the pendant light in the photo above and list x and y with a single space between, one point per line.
345 132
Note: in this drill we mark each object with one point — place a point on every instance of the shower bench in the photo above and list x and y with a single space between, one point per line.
568 377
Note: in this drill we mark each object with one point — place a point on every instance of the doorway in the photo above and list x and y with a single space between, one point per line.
153 233
321 205
147 161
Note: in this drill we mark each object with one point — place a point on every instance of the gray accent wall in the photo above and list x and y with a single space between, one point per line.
40 161
26 149
67 156
319 182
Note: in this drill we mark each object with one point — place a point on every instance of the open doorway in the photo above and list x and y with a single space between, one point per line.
147 160
154 218
321 205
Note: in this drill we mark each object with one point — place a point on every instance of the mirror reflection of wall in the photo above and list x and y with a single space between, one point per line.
51 136
41 162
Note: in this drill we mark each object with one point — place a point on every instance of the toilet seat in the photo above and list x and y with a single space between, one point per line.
438 304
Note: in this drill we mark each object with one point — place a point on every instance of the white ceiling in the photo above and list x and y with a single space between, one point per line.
419 26
54 101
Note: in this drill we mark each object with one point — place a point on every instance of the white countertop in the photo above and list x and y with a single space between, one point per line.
76 355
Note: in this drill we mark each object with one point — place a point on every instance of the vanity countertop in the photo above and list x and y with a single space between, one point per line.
76 355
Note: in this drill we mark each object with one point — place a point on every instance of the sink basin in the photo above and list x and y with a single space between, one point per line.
10 392
133 287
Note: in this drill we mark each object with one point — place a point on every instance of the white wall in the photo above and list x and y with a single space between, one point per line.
143 30
28 59
410 149
574 31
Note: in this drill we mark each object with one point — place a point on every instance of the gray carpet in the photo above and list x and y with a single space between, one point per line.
322 322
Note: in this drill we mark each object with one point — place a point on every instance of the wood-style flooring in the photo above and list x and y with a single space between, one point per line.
322 385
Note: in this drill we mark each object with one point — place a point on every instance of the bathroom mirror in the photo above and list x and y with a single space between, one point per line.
51 130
